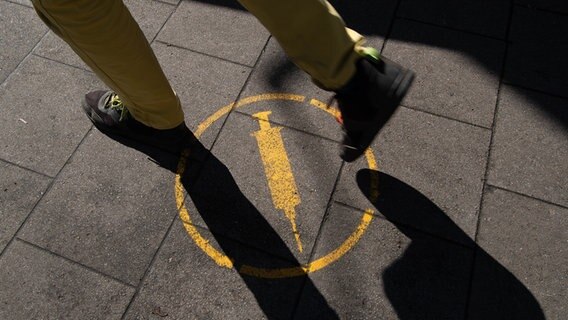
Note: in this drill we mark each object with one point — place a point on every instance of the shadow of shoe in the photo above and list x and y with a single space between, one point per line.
414 284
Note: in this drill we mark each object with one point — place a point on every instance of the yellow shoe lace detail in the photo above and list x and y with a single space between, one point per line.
114 103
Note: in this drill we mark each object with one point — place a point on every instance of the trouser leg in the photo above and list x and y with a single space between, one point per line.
104 34
313 35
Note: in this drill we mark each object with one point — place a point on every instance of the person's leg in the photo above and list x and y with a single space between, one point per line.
313 35
104 34
369 88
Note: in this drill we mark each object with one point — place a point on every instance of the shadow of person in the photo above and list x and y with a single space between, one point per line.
239 229
419 282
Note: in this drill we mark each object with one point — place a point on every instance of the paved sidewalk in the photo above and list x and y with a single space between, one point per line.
471 217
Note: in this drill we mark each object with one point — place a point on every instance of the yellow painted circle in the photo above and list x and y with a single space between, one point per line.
223 260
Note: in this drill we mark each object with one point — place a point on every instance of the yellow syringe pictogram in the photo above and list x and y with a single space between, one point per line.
278 171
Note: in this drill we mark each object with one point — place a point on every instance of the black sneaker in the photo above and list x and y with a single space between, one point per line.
111 116
369 100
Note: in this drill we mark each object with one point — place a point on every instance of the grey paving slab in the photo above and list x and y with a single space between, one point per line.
391 273
457 74
552 5
529 238
204 85
42 121
440 158
15 44
27 3
150 15
537 51
35 284
109 209
234 195
19 192
530 145
219 28
367 18
489 17
185 283
171 1
276 74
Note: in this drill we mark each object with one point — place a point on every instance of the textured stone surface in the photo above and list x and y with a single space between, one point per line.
391 273
276 74
203 84
217 28
441 159
19 192
15 44
537 52
552 5
233 197
42 121
529 238
185 283
530 145
35 284
487 17
457 74
109 208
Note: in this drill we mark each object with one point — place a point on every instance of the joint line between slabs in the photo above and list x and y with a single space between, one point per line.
45 193
488 162
168 232
206 54
150 265
79 264
402 224
26 169
288 127
318 237
25 57
524 195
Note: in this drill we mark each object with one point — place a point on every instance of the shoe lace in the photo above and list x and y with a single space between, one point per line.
114 103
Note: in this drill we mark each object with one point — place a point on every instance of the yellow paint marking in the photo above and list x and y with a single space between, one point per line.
223 260
317 264
220 258
327 108
278 171
249 100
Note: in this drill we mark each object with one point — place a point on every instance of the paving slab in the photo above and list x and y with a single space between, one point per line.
275 73
440 158
109 209
530 145
42 121
186 283
237 192
529 238
150 15
551 5
170 1
537 51
220 28
391 273
20 190
488 17
204 85
457 74
367 18
16 45
26 3
35 284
